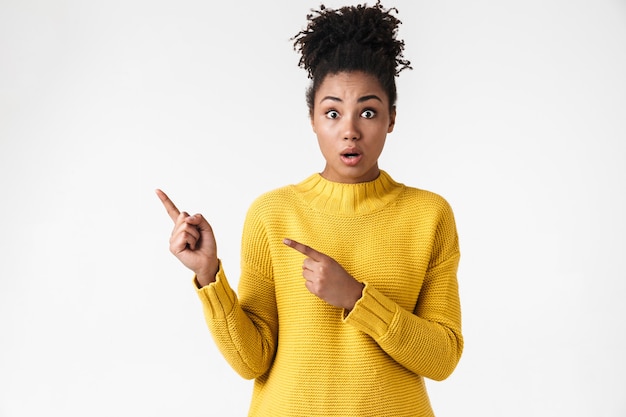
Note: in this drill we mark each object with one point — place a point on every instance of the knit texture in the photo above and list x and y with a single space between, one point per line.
401 242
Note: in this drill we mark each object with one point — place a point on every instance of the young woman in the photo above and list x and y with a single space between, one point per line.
348 294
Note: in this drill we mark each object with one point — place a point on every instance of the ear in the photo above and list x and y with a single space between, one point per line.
312 122
392 119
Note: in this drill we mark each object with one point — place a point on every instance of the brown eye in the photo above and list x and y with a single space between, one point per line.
368 114
332 114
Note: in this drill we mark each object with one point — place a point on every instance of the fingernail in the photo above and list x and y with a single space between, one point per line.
287 241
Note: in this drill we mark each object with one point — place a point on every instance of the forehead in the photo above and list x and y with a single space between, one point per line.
350 85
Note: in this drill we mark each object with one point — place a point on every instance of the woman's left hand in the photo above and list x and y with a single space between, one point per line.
326 279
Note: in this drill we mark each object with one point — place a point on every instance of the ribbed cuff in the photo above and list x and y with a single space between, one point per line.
373 313
217 298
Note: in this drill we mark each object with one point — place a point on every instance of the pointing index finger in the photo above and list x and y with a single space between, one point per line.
303 249
169 205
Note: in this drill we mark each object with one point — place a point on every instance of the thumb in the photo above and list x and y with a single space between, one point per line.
199 222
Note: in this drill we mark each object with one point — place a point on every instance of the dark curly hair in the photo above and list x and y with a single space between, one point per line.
352 38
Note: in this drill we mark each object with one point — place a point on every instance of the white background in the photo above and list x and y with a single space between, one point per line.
515 112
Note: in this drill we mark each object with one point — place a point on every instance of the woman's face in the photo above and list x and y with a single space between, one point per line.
351 119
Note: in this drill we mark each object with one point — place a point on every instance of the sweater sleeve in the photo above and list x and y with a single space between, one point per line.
245 335
428 340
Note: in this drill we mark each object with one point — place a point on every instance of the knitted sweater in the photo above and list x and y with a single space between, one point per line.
313 359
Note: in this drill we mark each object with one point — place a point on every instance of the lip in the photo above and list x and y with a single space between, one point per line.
351 156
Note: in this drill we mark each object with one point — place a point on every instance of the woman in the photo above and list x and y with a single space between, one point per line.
348 293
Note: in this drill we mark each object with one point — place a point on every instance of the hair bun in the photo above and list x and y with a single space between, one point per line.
371 29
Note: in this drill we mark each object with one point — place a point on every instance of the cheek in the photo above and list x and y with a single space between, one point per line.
319 124
323 141
326 145
322 130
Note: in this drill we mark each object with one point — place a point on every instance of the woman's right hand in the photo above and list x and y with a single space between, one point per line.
192 242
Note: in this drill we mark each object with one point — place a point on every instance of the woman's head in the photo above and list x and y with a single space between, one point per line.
351 39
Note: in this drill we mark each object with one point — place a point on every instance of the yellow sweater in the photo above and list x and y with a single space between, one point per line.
312 359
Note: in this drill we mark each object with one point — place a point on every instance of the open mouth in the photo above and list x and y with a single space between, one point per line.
351 158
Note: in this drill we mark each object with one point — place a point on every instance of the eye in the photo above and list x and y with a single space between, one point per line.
368 114
332 114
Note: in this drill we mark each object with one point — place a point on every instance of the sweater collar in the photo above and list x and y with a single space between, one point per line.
348 199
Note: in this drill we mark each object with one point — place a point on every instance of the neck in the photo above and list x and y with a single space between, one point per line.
350 177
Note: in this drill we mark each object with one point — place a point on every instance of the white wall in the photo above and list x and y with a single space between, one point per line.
515 112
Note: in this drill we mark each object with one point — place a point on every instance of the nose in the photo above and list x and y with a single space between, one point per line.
351 129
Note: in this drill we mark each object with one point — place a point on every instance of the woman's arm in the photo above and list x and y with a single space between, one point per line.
427 340
246 335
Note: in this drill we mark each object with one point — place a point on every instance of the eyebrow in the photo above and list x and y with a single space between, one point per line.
360 100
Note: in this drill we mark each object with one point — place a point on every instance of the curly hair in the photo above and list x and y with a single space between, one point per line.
352 38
